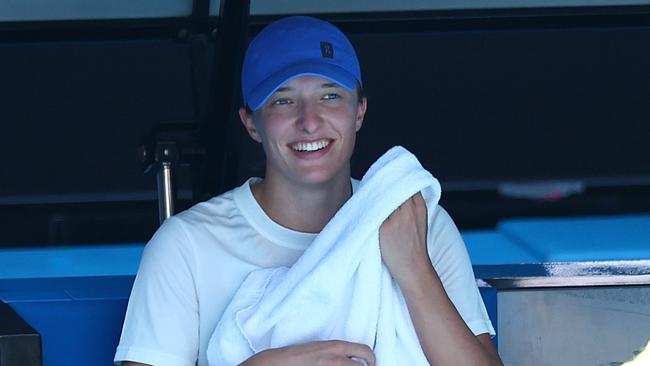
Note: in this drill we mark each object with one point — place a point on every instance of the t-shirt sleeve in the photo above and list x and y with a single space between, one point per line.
449 257
161 326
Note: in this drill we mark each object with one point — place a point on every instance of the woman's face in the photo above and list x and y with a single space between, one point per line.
307 129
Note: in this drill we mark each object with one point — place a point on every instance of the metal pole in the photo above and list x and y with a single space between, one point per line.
165 191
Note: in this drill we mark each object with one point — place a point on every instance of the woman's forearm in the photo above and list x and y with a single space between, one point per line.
443 335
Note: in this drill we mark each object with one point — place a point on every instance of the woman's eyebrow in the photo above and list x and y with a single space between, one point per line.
323 86
330 85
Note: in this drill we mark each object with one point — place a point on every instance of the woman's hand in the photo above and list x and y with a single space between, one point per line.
323 353
403 241
443 335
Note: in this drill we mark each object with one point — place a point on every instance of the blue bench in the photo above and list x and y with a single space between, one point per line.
76 297
581 239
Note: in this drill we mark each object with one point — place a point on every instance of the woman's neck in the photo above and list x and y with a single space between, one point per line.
305 208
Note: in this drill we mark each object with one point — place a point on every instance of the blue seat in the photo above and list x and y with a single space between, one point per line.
74 297
577 239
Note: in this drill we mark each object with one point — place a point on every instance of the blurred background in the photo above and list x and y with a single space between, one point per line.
520 108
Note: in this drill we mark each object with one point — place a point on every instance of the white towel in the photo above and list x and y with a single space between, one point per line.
339 288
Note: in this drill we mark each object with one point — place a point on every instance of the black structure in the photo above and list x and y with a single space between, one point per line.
20 344
485 98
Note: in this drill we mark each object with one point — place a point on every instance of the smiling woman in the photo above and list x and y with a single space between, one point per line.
307 129
300 79
475 89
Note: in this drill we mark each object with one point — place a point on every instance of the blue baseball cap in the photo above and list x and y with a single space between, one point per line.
293 47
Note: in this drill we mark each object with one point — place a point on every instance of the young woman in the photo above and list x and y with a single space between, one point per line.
302 90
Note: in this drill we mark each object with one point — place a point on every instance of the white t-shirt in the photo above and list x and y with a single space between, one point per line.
197 260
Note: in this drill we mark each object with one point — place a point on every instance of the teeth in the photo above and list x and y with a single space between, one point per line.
310 146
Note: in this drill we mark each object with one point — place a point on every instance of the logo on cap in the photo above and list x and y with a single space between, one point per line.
327 50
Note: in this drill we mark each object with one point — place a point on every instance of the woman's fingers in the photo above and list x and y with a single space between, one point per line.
360 351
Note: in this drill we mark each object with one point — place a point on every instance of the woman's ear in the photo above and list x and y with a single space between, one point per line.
246 118
361 113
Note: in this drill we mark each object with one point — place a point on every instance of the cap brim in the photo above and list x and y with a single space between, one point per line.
266 88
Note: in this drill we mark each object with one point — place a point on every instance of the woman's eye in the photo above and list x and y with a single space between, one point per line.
330 96
280 101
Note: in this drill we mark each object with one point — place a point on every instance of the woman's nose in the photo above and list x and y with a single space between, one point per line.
309 119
